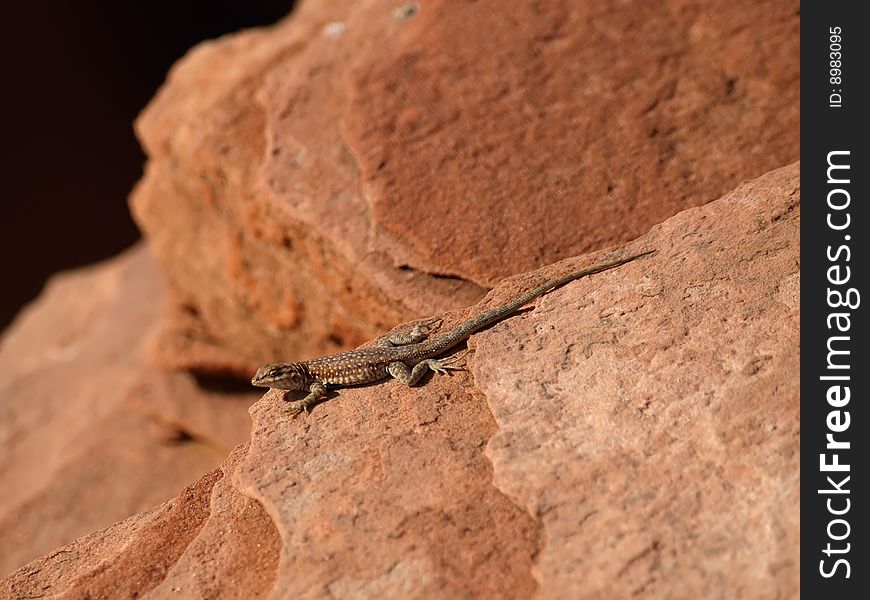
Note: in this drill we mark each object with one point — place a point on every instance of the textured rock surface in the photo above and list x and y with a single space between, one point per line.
89 434
644 441
656 433
313 183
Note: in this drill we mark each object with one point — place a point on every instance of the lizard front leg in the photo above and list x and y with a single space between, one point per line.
316 392
409 377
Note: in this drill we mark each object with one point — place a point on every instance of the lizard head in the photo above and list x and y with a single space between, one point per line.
282 376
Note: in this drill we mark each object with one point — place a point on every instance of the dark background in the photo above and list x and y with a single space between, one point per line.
75 75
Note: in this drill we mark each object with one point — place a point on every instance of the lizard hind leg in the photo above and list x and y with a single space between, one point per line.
420 332
409 377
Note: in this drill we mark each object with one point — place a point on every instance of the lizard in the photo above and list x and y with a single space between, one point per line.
391 354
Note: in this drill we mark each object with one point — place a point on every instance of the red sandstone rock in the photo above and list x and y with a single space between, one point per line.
644 441
656 432
312 183
89 433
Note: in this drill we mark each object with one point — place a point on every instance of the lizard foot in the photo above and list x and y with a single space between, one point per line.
449 364
419 333
295 407
429 326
